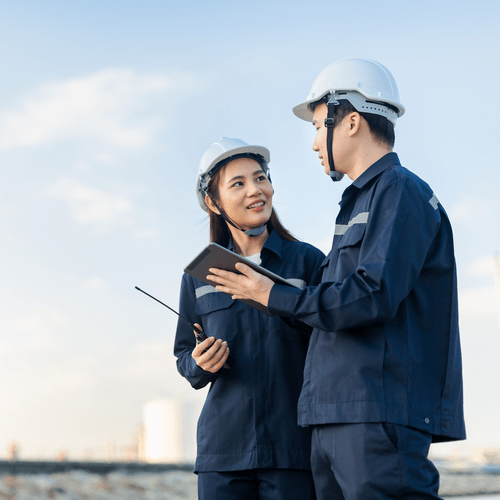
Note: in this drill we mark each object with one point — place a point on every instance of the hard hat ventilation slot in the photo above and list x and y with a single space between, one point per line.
377 108
383 106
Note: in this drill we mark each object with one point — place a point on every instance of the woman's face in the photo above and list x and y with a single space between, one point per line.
245 194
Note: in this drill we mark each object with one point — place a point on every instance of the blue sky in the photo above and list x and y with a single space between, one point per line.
105 111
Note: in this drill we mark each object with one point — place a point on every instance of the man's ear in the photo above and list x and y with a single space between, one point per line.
210 204
354 123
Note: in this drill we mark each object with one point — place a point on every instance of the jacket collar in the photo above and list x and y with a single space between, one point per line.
274 243
376 169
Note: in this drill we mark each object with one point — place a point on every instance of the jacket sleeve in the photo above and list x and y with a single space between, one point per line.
185 340
399 232
313 260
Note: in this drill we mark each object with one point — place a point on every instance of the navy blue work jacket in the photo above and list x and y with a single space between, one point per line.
249 419
385 345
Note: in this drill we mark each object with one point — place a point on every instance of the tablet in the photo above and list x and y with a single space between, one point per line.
219 257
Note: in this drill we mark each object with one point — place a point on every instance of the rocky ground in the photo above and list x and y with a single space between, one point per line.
81 485
454 485
171 485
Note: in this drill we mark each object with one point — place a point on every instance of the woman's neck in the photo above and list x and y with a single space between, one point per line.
248 245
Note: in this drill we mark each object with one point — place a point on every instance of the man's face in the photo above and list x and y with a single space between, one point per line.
342 146
319 144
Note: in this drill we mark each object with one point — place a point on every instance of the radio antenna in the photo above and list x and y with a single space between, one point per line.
196 329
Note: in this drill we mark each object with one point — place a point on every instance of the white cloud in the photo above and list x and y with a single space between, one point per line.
92 206
79 398
473 210
483 266
105 158
474 220
147 234
95 283
324 244
479 304
99 107
479 309
41 319
104 211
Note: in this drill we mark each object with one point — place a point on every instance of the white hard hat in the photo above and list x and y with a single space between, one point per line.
222 152
366 84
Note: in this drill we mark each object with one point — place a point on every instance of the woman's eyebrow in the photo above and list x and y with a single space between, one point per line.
238 177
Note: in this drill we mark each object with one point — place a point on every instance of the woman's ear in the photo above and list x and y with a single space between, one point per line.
211 205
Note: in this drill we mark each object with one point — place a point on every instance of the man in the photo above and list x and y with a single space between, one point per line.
383 374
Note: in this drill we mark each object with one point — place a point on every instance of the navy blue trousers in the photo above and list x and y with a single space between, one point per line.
256 484
375 461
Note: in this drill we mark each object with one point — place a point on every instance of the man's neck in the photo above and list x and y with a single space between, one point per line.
365 157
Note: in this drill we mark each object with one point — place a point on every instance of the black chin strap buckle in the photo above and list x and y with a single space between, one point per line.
331 103
329 122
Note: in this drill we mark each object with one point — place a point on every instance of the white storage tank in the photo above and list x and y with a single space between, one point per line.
162 420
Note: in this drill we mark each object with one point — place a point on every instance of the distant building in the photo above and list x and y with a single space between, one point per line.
111 451
13 451
162 420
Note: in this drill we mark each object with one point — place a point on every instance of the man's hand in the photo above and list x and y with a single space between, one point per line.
249 285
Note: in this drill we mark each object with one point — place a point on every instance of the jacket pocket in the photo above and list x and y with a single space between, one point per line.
217 313
325 263
352 236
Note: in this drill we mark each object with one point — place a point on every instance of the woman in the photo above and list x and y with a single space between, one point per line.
249 443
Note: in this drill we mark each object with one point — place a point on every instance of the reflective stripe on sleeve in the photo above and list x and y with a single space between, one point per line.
297 282
203 290
434 201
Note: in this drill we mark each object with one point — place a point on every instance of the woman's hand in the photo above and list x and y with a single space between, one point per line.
249 285
215 356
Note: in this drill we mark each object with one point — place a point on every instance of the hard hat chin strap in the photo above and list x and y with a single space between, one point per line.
256 231
329 124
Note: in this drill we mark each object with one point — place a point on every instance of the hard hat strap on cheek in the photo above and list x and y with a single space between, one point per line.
329 124
256 231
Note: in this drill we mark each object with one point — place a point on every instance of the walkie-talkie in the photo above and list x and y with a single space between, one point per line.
200 336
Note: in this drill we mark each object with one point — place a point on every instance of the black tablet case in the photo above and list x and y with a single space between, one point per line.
219 257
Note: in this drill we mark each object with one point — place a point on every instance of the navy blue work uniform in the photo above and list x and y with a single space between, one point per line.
385 348
249 420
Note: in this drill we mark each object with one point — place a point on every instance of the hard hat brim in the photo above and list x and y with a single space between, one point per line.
304 111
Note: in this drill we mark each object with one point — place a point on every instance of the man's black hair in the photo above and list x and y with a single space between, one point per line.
381 128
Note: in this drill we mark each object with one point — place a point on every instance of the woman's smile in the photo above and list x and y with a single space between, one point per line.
257 206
